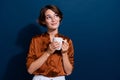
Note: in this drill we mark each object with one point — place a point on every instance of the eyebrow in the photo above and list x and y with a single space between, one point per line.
53 14
48 15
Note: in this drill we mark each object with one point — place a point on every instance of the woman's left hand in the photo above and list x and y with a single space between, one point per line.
65 46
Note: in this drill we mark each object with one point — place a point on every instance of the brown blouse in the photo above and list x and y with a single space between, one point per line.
53 66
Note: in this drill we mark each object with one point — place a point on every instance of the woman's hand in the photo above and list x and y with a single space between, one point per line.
65 46
52 47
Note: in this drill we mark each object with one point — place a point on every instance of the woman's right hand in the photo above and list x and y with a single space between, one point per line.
52 47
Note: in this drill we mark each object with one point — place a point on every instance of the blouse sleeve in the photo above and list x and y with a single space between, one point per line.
71 52
31 53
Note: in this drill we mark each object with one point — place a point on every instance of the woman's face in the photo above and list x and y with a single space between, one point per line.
52 20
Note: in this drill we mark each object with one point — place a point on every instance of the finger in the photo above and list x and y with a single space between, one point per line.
56 45
52 47
65 40
66 44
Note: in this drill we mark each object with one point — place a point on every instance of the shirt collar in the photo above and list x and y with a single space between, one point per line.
56 35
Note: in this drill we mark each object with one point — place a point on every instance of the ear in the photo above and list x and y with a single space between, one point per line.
44 23
60 19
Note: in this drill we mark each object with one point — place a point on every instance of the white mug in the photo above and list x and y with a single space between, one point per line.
60 40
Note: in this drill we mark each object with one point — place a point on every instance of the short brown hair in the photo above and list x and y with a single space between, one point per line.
54 8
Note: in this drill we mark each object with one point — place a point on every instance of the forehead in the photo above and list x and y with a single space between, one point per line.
49 12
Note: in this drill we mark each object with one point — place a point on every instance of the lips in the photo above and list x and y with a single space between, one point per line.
53 23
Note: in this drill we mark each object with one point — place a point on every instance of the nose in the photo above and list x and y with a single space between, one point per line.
54 19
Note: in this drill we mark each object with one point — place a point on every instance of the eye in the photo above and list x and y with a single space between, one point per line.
48 17
56 15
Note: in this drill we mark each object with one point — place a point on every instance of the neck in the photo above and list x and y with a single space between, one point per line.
53 32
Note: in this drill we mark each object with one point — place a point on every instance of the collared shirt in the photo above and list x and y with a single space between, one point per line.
53 66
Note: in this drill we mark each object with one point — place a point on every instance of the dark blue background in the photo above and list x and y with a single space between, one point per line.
93 25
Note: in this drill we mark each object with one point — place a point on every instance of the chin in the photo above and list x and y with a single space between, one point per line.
54 27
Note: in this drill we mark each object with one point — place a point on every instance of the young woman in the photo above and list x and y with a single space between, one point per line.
44 61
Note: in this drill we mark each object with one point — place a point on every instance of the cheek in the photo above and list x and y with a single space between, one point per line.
47 21
59 19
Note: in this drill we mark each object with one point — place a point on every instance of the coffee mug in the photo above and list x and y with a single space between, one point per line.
59 40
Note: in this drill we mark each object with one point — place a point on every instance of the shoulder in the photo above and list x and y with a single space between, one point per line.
65 37
40 36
